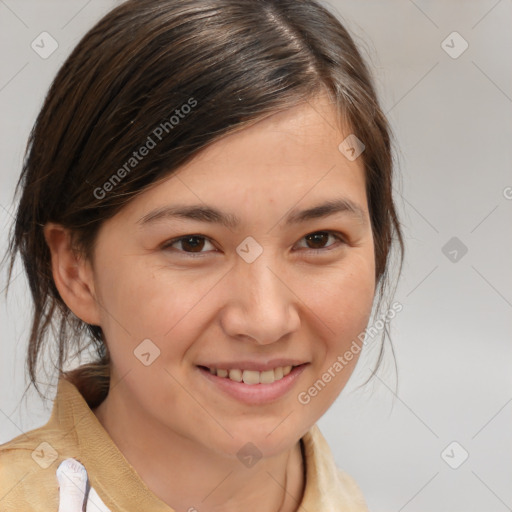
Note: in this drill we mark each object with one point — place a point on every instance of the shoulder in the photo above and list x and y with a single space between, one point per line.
327 486
28 465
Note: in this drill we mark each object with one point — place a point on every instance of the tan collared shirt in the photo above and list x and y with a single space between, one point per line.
28 466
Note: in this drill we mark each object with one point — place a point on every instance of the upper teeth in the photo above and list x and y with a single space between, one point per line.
253 376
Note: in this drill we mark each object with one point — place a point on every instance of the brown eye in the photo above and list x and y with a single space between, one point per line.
190 244
316 241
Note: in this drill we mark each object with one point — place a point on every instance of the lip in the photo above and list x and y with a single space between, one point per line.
253 365
254 394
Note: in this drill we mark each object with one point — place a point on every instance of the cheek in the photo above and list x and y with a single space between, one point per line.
346 293
170 308
344 304
142 302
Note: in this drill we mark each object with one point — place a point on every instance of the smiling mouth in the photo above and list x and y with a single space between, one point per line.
251 376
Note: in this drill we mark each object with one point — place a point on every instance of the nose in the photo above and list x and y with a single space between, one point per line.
261 306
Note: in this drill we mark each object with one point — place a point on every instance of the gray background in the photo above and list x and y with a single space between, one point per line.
452 119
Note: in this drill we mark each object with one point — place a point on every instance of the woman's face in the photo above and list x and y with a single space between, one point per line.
286 283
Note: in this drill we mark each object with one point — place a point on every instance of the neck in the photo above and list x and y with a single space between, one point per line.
188 476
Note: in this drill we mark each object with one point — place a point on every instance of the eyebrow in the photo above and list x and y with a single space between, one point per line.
205 213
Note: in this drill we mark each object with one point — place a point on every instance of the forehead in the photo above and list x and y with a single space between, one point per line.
293 136
289 157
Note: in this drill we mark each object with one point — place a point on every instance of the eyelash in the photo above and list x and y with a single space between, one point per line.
168 244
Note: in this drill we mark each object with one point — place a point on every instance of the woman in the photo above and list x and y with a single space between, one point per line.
207 203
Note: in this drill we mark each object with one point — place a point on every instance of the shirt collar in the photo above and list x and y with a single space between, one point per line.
121 488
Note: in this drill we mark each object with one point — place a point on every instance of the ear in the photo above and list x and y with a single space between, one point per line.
73 275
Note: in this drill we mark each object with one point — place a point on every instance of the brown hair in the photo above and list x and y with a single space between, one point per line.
232 62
